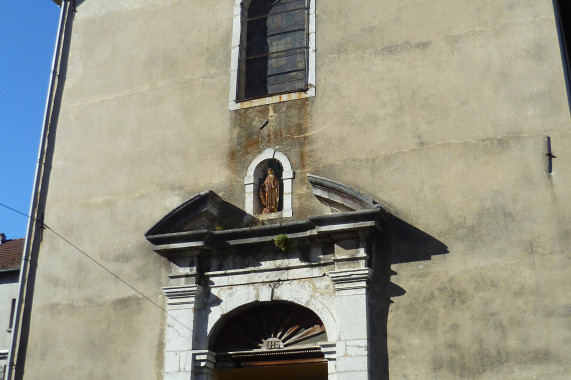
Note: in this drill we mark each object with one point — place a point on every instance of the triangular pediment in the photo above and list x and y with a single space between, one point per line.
204 211
207 222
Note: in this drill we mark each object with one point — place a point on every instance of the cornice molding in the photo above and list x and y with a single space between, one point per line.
182 295
349 279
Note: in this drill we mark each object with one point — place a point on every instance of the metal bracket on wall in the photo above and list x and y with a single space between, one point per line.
550 156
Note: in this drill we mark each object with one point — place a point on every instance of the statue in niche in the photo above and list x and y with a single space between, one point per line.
270 193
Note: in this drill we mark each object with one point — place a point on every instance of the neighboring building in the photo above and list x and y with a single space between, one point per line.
308 189
10 262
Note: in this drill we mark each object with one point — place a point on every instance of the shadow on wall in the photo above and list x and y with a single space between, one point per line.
406 243
400 242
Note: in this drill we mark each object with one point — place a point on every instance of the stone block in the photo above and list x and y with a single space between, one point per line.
177 375
353 375
357 347
341 348
351 310
351 364
172 361
178 334
186 361
265 292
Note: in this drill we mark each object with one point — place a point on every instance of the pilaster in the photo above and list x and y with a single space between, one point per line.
203 363
329 350
181 303
350 282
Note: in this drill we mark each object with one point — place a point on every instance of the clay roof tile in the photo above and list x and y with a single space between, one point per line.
11 254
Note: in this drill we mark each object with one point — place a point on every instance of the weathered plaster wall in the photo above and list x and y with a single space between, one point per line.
8 292
438 110
453 111
122 160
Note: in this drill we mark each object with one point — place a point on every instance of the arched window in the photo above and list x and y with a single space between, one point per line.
274 58
274 46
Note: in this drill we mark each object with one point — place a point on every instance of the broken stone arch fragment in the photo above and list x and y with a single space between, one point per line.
339 197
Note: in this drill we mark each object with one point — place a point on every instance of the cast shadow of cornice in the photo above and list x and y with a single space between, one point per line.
401 243
406 243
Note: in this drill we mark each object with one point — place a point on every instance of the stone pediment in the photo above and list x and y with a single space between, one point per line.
339 197
208 222
204 211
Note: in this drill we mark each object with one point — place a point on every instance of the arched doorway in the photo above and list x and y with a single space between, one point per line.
274 340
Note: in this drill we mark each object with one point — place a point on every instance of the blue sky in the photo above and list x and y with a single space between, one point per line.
28 31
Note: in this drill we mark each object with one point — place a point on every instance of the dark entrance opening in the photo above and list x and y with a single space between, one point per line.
308 371
275 340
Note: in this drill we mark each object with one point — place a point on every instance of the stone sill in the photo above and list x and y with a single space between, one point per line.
270 216
237 105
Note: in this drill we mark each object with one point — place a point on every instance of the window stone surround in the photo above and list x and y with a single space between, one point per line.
235 55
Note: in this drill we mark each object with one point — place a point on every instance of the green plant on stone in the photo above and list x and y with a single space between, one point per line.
282 242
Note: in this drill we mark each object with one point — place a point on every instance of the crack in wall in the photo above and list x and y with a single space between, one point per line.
144 89
435 145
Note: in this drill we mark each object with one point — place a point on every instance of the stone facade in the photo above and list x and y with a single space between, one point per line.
326 267
429 229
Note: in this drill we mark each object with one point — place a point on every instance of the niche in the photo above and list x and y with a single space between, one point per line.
255 178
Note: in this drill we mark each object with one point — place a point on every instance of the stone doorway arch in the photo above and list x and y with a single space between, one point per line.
277 340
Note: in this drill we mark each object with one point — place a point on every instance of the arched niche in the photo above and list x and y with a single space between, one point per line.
255 176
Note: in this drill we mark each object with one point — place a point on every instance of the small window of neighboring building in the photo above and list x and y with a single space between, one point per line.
12 310
273 56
